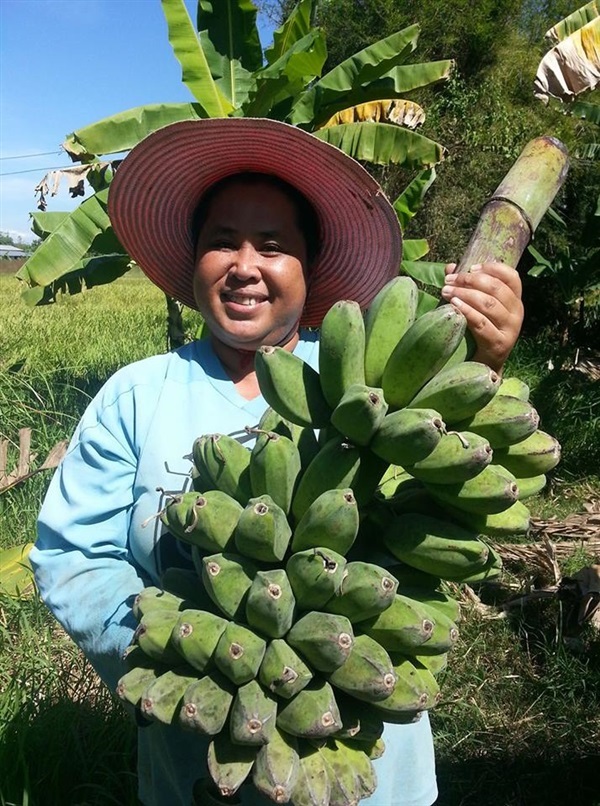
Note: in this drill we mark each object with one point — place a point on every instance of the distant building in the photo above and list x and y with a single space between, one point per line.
12 252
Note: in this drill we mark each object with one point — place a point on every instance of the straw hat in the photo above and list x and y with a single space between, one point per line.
157 187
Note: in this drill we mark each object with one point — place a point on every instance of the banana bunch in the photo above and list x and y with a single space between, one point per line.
317 611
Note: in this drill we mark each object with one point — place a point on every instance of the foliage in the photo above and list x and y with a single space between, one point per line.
228 74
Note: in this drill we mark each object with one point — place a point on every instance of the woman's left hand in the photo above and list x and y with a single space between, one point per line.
489 296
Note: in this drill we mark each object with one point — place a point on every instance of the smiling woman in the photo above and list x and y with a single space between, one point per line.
262 227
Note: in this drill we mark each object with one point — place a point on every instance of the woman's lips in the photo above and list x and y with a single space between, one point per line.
238 301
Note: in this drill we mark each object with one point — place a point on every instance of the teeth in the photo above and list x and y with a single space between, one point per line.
248 301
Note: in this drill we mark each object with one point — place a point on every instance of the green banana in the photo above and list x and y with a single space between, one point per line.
412 579
323 639
136 680
282 670
366 589
359 720
531 485
331 522
312 784
206 520
312 713
270 605
404 627
459 391
225 462
358 759
513 387
206 704
341 350
275 770
336 466
391 313
239 653
252 715
407 436
304 438
263 532
162 698
421 353
489 492
153 635
490 570
436 664
416 690
345 784
315 576
274 468
359 413
537 454
435 546
183 582
436 599
229 764
512 521
227 578
368 672
503 422
196 635
291 387
153 598
457 457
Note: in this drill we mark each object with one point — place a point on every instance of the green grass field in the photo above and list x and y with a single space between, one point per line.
519 721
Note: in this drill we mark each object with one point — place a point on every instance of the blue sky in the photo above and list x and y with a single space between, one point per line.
65 64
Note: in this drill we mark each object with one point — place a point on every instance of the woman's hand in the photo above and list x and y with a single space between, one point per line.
490 298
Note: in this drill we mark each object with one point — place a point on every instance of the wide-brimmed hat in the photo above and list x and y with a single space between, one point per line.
157 188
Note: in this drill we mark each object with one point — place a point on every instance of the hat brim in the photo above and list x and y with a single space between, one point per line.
157 188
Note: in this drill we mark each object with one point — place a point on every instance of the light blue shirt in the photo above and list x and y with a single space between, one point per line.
98 546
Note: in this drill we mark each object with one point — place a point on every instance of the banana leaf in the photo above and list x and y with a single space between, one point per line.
68 244
196 73
383 143
42 224
573 22
414 249
387 110
572 66
287 77
296 26
92 271
122 131
16 575
363 67
432 274
231 27
394 84
411 199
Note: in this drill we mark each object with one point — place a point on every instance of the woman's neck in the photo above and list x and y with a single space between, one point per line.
239 365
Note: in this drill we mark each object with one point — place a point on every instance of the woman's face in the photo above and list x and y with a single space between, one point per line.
249 282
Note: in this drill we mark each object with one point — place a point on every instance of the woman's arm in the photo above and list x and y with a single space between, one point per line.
82 561
490 298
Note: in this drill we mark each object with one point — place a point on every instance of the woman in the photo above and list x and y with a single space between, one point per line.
262 227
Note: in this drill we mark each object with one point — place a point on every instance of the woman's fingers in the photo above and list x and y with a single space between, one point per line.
490 298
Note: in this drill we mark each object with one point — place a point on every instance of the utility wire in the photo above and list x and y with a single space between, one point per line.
25 156
36 170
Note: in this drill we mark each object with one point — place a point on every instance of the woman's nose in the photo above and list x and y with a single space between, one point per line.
246 262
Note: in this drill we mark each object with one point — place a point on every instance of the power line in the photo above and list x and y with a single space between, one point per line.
36 170
25 156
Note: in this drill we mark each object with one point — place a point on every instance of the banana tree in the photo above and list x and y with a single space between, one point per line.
569 70
229 75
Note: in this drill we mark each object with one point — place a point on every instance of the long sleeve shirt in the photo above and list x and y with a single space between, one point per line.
98 545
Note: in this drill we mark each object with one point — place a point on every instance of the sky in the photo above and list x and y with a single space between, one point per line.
65 64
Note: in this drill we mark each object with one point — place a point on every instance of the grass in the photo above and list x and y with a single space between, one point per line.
519 722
